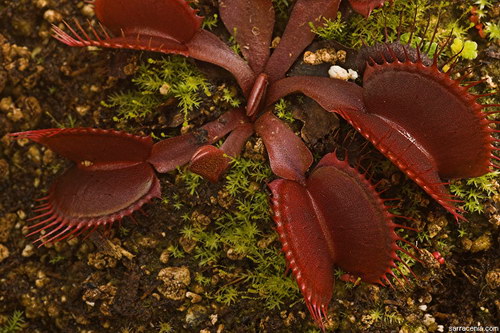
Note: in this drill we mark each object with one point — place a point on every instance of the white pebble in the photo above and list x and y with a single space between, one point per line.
52 16
337 72
428 320
4 252
353 74
28 251
88 10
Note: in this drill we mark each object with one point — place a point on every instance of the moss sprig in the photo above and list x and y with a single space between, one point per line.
157 81
15 323
476 191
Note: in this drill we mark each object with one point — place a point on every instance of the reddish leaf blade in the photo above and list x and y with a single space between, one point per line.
356 221
288 155
168 154
93 147
209 162
236 140
82 199
437 113
82 194
152 25
205 46
365 7
395 143
298 34
166 19
257 95
251 23
337 219
304 244
137 42
332 94
346 99
382 52
167 26
171 153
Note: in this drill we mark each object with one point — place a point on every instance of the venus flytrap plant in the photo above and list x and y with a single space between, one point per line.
427 124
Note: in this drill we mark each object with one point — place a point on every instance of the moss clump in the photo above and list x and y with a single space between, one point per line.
281 7
401 15
157 81
476 191
242 233
283 111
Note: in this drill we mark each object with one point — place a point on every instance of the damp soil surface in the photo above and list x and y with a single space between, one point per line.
129 278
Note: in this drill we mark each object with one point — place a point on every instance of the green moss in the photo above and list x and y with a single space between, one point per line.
244 231
282 109
210 22
281 7
233 44
175 251
57 258
14 324
358 29
330 29
492 30
190 179
156 81
230 96
165 328
476 191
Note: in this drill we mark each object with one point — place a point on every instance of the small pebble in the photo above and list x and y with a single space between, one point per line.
41 3
195 298
4 169
187 244
34 154
233 255
482 243
175 281
28 251
4 252
428 320
276 41
337 72
493 278
423 307
82 109
164 256
165 89
88 10
52 16
196 314
6 104
21 214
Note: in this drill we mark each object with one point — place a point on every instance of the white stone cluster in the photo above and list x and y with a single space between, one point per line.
337 72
